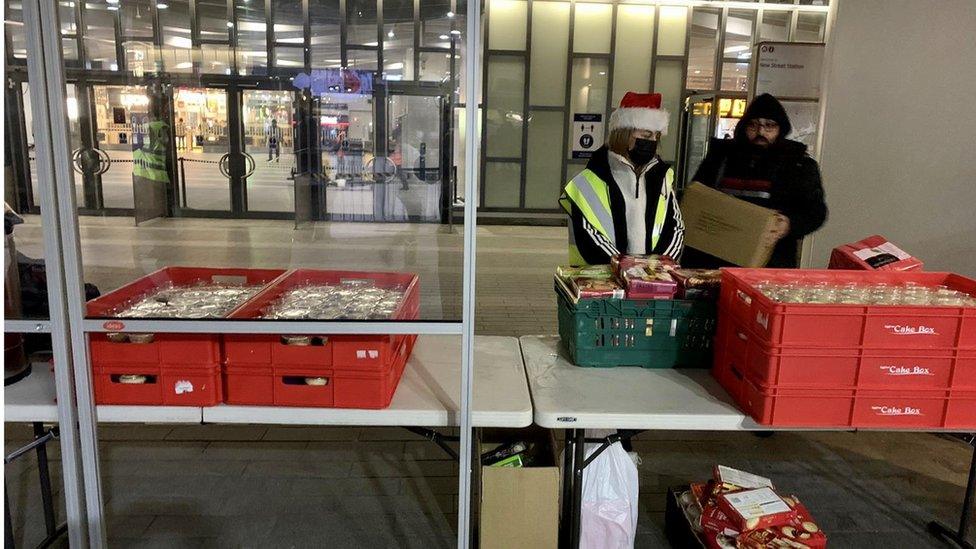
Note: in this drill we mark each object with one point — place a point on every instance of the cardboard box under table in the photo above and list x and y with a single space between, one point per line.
341 371
728 228
519 506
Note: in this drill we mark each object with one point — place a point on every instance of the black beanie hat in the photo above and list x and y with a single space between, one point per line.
764 106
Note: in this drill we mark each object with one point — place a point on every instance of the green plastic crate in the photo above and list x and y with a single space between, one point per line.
605 333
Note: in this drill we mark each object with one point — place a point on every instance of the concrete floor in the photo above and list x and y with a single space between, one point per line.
253 486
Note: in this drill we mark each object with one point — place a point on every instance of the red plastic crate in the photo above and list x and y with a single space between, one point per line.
810 367
854 408
847 326
202 349
165 385
342 352
266 385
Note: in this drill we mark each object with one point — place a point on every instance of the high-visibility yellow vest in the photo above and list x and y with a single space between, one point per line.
592 196
150 160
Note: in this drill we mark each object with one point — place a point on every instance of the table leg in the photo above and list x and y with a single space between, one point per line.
959 536
566 513
44 478
579 464
8 523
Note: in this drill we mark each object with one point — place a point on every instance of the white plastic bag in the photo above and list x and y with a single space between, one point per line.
609 510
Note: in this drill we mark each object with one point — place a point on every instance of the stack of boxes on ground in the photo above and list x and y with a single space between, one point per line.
739 510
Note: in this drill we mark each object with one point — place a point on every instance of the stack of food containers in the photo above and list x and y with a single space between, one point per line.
205 369
849 348
168 369
346 371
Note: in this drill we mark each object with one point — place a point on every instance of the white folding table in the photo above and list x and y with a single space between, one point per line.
566 396
428 393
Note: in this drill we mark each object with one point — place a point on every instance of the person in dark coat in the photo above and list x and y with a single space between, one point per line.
760 165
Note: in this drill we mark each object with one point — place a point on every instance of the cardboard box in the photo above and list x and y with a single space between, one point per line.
728 228
519 506
756 509
873 253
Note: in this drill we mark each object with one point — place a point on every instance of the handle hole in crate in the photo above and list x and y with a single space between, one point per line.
311 381
133 379
304 341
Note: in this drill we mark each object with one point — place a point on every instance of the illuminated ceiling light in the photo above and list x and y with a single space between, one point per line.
450 15
697 72
390 34
443 37
112 1
603 73
456 32
230 24
161 6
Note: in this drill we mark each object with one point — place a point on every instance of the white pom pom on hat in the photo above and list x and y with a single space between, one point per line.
640 111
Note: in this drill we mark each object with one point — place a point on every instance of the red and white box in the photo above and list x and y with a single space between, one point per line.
874 253
756 509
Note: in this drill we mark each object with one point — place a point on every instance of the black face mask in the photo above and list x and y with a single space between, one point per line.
642 152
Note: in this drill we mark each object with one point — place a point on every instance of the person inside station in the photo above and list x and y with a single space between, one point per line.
624 201
760 165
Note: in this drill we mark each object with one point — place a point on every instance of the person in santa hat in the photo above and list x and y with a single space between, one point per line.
623 202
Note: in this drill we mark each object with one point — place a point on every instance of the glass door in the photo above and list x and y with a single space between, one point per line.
121 127
417 155
698 119
74 141
344 123
200 124
269 140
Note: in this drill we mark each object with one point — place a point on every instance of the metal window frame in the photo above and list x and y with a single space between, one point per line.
69 327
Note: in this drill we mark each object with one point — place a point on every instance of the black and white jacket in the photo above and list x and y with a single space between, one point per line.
633 204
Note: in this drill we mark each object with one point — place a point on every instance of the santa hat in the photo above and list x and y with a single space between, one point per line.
640 111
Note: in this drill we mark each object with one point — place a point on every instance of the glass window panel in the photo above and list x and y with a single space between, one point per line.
66 12
176 24
506 24
435 66
735 77
140 56
543 162
589 89
215 59
504 115
775 26
701 55
591 28
212 17
460 125
668 78
672 28
325 38
738 34
503 181
810 27
361 20
69 48
99 37
435 23
632 54
289 58
252 35
137 19
550 40
363 60
289 23
180 60
398 39
14 28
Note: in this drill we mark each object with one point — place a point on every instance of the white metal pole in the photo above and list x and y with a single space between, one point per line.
66 213
471 156
35 27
